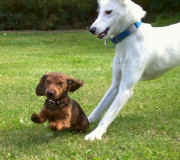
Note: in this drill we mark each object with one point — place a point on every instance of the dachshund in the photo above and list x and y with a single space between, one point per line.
59 109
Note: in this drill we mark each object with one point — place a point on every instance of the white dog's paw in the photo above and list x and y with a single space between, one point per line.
95 135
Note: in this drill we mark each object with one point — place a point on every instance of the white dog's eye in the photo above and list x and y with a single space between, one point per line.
108 12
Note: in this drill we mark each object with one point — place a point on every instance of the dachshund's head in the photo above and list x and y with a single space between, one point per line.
54 85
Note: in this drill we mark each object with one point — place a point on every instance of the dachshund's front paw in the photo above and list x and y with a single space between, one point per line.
53 126
35 118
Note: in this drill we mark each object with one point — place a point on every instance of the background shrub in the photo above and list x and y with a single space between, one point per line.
60 14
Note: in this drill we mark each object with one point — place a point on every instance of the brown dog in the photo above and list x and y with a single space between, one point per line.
61 111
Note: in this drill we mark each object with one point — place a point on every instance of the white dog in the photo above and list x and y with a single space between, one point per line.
142 52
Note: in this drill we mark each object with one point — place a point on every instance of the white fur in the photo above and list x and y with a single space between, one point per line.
144 55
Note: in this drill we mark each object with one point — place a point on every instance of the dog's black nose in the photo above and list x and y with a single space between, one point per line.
50 93
92 30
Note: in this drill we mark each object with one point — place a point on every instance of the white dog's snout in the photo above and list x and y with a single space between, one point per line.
92 30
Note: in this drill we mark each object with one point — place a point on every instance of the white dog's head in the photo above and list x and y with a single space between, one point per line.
114 16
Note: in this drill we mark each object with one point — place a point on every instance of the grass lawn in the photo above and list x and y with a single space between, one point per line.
148 128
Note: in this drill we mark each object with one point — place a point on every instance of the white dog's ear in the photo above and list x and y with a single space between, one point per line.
135 10
124 1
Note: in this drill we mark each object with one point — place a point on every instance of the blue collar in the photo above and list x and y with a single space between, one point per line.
121 36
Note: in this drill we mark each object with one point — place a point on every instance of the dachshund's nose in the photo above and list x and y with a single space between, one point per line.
92 30
50 93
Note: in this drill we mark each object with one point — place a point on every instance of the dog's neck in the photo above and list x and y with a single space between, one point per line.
127 32
57 103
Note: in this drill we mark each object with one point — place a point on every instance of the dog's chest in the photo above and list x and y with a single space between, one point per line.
60 113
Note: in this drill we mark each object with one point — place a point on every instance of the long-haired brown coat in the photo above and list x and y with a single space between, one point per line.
59 109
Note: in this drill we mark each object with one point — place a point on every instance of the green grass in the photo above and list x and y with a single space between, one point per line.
148 128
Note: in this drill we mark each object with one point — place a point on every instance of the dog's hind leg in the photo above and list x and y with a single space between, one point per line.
110 94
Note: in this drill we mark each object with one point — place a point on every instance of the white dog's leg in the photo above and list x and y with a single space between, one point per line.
131 73
110 94
120 100
104 103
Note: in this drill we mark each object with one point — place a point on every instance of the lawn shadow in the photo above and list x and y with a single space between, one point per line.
26 138
162 121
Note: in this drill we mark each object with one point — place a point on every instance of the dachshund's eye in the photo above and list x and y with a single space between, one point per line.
108 12
48 81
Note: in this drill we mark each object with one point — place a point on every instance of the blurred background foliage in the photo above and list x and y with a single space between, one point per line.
67 14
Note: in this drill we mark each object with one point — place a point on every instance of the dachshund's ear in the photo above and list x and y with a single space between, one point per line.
73 84
40 89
